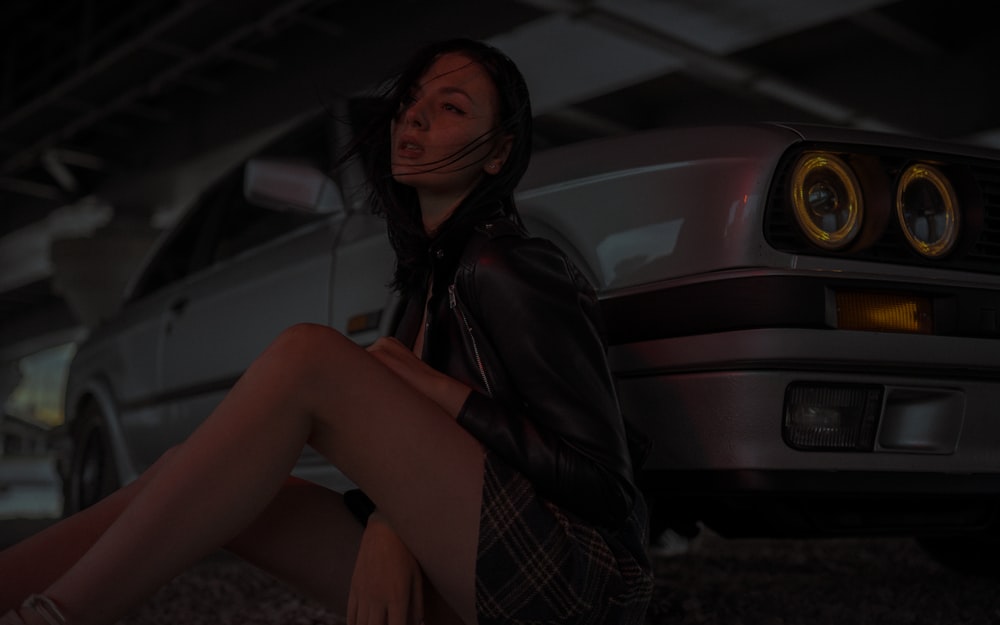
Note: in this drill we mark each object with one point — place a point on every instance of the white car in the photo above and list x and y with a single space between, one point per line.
805 320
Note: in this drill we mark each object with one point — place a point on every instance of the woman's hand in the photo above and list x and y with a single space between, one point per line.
444 390
387 584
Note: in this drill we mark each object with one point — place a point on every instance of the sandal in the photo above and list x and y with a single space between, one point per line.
41 605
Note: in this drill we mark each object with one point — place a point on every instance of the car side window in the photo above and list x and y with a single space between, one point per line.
245 226
181 254
223 224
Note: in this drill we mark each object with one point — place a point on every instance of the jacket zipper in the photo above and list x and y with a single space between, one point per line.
453 303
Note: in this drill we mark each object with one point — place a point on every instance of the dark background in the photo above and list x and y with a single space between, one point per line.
113 113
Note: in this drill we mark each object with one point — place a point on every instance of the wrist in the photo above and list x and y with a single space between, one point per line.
377 518
359 505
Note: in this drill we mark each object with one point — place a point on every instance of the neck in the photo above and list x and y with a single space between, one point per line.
436 208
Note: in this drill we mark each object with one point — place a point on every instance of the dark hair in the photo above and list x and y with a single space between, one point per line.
398 202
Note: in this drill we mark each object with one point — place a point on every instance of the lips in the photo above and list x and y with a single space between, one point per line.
406 147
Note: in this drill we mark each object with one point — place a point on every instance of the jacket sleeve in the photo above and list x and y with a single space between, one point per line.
563 426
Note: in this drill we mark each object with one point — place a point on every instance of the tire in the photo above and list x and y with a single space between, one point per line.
92 473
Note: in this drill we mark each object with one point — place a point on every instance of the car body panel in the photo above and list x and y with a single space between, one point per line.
715 308
669 224
646 216
171 364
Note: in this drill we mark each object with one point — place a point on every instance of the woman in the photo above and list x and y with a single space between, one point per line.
486 435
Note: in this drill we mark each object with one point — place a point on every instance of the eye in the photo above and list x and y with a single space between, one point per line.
448 106
407 100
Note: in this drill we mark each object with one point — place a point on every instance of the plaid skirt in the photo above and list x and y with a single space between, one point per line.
538 563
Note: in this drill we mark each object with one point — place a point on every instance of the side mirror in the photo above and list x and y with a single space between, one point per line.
290 185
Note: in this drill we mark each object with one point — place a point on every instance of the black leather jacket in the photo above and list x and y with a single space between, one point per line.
512 318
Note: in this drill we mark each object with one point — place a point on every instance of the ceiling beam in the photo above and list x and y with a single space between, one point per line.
182 71
30 188
91 70
722 69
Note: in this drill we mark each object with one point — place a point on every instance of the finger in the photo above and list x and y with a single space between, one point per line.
393 345
360 604
417 611
379 344
392 341
352 607
398 612
376 615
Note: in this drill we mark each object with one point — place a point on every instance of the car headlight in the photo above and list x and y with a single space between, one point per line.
927 208
827 200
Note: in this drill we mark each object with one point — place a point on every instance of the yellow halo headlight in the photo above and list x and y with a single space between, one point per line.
827 200
927 209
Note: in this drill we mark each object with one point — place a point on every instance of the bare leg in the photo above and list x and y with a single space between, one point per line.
307 538
304 537
30 565
312 386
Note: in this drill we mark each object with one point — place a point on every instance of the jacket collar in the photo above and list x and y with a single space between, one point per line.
446 248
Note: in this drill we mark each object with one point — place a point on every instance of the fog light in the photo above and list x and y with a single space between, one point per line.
831 417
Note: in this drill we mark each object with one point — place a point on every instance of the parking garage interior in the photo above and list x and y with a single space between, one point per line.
114 115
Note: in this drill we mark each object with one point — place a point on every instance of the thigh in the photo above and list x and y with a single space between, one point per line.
423 470
306 538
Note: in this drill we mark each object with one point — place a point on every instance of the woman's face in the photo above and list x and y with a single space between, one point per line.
442 138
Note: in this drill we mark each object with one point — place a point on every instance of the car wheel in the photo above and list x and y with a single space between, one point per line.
92 474
976 555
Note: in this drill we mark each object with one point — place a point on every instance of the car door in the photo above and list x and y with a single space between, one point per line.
261 271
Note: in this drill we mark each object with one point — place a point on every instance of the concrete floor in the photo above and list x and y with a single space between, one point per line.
886 581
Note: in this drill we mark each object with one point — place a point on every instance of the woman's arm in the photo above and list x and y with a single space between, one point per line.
444 390
387 583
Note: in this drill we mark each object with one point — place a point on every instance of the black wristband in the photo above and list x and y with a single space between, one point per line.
360 505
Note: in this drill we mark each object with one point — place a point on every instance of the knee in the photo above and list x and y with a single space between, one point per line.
305 344
306 333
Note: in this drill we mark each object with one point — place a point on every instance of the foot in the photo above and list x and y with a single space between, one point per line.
14 618
36 610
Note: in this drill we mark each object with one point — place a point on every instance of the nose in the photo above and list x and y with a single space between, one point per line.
414 115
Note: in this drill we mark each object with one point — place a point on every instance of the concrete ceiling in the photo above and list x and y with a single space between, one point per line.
113 113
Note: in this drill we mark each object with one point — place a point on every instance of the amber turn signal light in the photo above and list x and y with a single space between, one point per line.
884 312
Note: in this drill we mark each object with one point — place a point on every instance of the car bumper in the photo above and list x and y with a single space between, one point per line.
717 402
